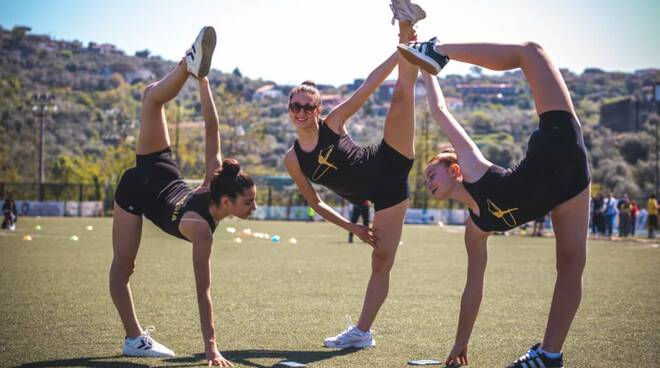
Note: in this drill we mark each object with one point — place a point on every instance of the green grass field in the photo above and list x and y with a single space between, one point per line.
279 301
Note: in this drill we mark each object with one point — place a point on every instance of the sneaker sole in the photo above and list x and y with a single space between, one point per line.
208 46
358 346
417 10
429 65
147 355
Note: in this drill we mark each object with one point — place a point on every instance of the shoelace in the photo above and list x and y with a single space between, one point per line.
529 355
147 334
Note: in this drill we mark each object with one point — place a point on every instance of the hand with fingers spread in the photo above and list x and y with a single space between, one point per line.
365 233
214 358
457 357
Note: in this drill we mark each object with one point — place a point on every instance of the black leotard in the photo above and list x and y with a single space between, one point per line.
155 188
377 173
554 170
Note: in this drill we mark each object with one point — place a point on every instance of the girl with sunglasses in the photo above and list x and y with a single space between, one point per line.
154 188
324 154
553 177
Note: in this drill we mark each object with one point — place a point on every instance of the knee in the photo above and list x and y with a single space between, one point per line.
403 91
571 263
382 261
121 270
531 48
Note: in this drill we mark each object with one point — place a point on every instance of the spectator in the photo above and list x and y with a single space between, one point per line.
9 211
633 216
359 210
539 224
598 215
652 208
310 214
624 216
611 212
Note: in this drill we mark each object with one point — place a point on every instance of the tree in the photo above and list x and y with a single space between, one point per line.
143 53
237 72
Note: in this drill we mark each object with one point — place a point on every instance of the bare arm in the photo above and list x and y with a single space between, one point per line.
195 228
313 199
342 112
212 133
472 161
476 247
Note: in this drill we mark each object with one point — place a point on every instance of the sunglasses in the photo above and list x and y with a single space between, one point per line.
296 107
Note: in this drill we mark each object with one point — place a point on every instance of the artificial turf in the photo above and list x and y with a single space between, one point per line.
278 301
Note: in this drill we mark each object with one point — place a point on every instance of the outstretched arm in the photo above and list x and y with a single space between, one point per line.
313 199
476 246
212 133
472 161
195 228
342 112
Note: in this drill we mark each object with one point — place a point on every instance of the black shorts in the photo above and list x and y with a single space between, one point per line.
140 186
391 183
653 222
557 148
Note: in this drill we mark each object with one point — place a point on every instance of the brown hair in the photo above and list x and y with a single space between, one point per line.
308 87
446 157
229 181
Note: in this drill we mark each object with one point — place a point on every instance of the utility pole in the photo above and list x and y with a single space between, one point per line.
176 134
42 104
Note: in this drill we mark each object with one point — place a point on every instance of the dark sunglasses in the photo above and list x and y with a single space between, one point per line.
296 107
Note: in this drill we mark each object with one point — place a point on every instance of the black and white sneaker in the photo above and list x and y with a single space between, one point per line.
534 358
145 346
198 57
423 54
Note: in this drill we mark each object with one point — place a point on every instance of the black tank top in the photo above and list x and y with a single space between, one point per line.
174 201
339 164
555 169
508 198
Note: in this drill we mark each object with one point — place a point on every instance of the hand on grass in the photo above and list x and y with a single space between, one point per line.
457 357
214 358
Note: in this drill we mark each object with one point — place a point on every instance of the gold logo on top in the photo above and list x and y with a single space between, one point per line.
324 163
504 215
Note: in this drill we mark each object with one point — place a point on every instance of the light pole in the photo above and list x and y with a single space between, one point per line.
42 105
176 134
656 99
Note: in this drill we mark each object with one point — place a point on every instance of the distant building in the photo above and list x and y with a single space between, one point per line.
386 90
267 92
626 114
139 75
330 101
502 93
355 85
454 103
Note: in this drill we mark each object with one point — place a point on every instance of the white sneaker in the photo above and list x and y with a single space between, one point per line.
198 57
352 337
12 227
145 346
406 10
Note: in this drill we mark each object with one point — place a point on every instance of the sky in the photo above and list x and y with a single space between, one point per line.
336 41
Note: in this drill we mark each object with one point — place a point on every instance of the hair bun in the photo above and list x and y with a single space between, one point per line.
231 167
449 149
309 83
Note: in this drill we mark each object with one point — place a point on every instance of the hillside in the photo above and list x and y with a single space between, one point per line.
97 90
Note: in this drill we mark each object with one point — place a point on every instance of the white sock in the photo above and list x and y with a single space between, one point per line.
551 355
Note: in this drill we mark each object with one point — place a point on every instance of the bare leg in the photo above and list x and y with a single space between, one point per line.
548 87
389 224
399 131
571 224
153 129
126 235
